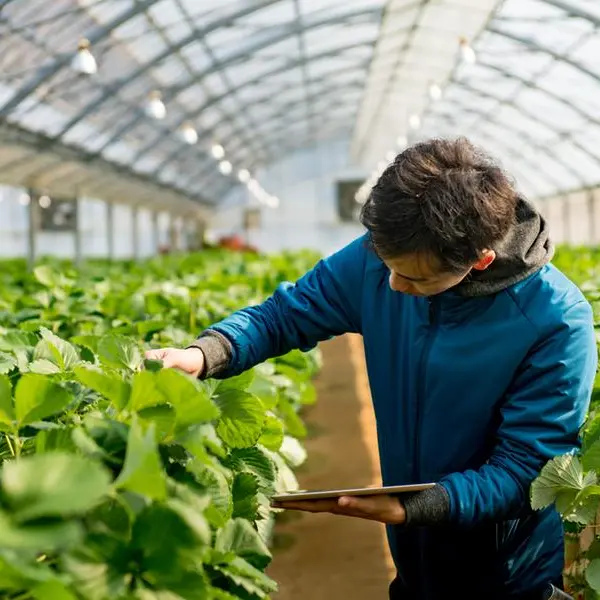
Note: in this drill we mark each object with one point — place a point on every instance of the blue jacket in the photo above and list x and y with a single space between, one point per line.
474 392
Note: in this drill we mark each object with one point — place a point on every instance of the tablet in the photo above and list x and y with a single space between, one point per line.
369 491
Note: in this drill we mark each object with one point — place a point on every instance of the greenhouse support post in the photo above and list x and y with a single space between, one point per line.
77 233
566 218
110 230
155 233
135 242
32 228
591 202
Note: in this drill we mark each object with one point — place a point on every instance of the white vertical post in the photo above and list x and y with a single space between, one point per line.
110 230
591 204
77 233
566 219
32 229
135 213
155 232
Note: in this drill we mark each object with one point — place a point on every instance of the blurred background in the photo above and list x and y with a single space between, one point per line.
129 127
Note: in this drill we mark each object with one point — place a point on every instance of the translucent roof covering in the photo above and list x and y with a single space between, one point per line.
188 93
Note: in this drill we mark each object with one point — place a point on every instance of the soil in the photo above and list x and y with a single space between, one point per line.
323 556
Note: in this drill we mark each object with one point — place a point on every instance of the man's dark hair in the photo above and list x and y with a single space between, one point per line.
445 198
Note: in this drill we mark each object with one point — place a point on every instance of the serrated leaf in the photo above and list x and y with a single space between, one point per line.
42 537
142 472
563 474
255 461
120 353
7 362
192 404
242 418
163 417
110 386
238 383
244 492
216 486
46 276
52 484
16 340
250 579
7 412
272 434
43 366
66 356
87 341
37 397
240 537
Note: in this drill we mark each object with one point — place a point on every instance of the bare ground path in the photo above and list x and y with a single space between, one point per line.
327 557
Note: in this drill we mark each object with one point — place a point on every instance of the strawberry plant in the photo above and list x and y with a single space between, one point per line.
120 479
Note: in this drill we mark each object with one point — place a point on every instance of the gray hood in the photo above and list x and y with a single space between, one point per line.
525 250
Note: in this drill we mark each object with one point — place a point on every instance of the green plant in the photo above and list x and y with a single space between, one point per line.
120 479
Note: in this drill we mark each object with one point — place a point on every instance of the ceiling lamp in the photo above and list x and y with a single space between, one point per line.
188 134
84 61
244 175
272 201
466 53
414 121
45 201
225 167
218 151
155 107
24 199
435 91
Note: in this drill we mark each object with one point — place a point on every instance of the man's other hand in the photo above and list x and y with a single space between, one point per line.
385 509
190 360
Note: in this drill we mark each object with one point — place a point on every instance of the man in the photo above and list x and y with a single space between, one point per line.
481 359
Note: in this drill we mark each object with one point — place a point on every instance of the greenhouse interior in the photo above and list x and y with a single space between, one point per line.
299 299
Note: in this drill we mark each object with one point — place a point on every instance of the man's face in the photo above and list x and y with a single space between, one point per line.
420 275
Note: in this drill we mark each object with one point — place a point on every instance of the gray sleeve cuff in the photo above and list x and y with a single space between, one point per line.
430 507
217 350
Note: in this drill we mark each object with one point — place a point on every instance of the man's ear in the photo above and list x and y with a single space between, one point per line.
487 258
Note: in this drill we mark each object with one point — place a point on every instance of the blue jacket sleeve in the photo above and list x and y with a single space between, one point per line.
541 417
324 303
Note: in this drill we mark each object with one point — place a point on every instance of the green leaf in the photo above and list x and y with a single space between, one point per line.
592 575
37 397
162 416
242 418
145 391
215 484
53 484
293 424
240 537
47 276
192 404
7 362
120 353
561 474
272 434
238 383
143 471
7 412
65 355
255 461
251 580
110 386
87 341
52 590
16 340
244 493
43 537
43 366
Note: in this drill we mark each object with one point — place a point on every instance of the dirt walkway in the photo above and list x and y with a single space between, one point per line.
327 557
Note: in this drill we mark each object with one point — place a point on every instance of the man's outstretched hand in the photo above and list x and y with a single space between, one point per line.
385 509
190 360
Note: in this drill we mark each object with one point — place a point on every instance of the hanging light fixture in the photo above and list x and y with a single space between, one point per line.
45 201
435 91
155 107
225 167
188 133
414 121
218 151
244 175
24 199
84 61
467 55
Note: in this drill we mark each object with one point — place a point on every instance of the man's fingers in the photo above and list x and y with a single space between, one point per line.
156 354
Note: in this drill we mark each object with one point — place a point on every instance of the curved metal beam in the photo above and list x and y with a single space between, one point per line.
337 104
281 109
573 11
519 133
533 45
62 60
207 134
278 33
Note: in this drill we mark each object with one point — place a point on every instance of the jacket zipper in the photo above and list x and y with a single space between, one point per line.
433 314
